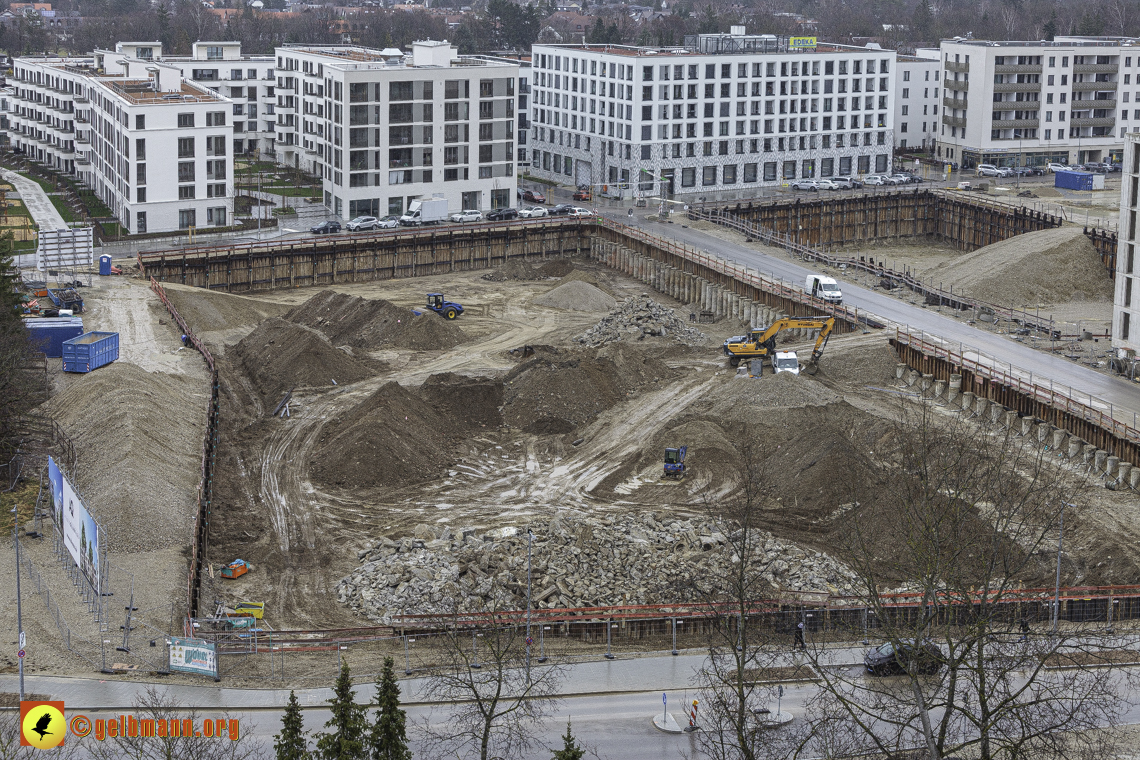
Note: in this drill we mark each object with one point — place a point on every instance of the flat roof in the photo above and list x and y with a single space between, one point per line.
139 92
687 52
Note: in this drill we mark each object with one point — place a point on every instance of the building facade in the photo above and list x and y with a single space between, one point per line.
1126 302
1063 101
917 84
154 147
716 119
382 128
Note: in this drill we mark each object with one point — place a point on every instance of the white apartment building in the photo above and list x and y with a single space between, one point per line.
383 128
247 80
1035 102
716 118
916 100
153 146
1126 303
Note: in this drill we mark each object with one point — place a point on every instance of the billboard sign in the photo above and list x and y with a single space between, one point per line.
66 248
799 43
193 656
79 530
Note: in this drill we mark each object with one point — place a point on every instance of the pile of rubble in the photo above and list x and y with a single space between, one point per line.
642 558
639 318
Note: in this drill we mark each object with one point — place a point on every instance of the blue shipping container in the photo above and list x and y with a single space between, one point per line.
90 351
1073 180
47 334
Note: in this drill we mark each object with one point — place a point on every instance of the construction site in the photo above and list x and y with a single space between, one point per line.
370 460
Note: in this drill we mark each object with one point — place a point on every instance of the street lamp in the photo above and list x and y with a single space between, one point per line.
529 544
19 609
1057 588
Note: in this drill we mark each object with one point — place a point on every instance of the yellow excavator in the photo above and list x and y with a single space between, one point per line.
760 344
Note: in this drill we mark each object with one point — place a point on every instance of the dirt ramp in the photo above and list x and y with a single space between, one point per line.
369 324
394 438
555 392
279 355
1049 266
471 401
209 311
139 439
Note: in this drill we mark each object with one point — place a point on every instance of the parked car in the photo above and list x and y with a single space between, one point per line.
533 196
1096 166
583 194
894 659
847 183
467 215
874 179
502 214
561 209
904 179
989 170
827 184
325 228
579 211
532 212
361 223
389 222
1114 167
810 185
1052 167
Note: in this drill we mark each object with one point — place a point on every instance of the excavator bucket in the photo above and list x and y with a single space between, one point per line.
810 367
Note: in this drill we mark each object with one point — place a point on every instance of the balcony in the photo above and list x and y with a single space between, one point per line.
1095 68
81 137
81 99
82 159
1017 87
1018 68
1015 124
1106 121
1094 86
1085 105
81 119
954 103
961 68
954 121
952 84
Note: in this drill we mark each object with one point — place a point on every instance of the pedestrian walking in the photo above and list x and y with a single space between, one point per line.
1024 630
799 641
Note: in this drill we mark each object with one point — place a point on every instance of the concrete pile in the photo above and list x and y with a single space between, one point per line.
639 318
641 558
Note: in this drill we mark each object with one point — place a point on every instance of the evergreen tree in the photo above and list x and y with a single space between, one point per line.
291 743
9 278
388 739
571 750
922 22
1051 27
348 723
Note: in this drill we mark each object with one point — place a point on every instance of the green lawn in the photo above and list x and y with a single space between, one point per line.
291 191
64 210
45 184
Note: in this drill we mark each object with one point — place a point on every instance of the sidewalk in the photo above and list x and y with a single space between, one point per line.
37 201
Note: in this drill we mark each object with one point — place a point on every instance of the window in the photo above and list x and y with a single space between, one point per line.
140 195
140 221
185 147
708 176
140 150
186 218
186 171
216 216
215 119
728 174
688 177
396 91
185 120
185 192
140 174
140 121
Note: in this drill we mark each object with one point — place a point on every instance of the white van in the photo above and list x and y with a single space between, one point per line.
824 287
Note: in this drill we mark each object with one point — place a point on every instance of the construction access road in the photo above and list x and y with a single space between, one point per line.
1113 394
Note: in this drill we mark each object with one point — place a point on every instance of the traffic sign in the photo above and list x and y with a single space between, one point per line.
20 654
23 639
529 641
664 698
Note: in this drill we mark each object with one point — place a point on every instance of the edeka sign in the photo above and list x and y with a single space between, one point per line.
801 42
193 656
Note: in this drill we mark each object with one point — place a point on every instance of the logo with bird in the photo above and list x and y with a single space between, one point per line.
42 724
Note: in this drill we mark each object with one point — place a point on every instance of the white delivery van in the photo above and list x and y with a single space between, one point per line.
824 287
427 211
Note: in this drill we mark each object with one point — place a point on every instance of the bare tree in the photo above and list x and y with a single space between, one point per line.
967 517
498 700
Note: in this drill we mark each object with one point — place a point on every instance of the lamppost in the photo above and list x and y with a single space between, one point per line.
1057 588
529 544
19 608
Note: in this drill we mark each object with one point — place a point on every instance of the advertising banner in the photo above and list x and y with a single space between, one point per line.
193 656
79 530
801 42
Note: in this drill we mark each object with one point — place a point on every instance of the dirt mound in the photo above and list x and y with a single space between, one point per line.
556 268
393 438
637 319
139 439
279 355
576 296
371 324
472 401
861 363
207 311
782 390
515 269
1049 266
555 393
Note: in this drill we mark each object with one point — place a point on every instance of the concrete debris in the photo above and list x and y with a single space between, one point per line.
640 558
638 318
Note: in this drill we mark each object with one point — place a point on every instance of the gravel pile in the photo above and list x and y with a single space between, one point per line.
637 319
577 296
641 558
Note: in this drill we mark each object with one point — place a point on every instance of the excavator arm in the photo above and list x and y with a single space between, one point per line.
760 342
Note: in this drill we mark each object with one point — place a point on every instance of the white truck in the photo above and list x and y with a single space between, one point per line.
824 288
426 211
786 361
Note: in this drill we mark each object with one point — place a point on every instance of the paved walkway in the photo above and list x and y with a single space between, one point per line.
37 201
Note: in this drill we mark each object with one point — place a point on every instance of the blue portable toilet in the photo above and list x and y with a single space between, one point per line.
105 264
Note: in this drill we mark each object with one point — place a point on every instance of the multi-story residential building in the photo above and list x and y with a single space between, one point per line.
1036 102
1126 303
382 128
916 100
249 81
153 146
716 119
